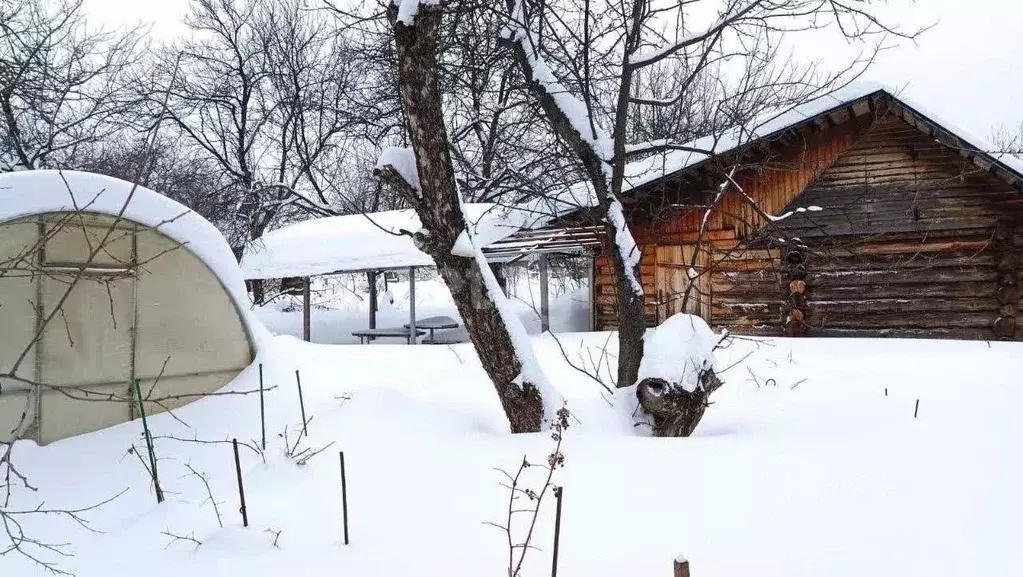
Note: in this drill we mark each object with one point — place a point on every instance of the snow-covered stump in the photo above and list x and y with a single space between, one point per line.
676 377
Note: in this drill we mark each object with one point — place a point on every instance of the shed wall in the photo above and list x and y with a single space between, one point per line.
911 239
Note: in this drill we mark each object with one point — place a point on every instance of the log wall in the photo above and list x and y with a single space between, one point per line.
903 237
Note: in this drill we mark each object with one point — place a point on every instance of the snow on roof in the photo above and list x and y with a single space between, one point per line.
649 169
368 241
656 166
33 192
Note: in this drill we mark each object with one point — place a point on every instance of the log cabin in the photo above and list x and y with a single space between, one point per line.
858 214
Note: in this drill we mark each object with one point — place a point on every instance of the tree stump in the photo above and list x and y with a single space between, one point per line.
675 411
681 567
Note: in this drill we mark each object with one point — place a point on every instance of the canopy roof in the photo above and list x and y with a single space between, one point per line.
374 241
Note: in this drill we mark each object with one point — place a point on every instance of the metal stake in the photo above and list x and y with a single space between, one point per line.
241 488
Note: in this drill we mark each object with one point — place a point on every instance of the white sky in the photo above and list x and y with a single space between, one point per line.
966 69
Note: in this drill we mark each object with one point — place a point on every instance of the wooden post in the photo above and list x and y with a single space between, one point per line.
590 279
545 320
306 310
371 277
241 488
681 567
412 339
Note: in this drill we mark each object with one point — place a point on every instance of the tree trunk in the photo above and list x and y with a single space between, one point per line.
631 319
440 212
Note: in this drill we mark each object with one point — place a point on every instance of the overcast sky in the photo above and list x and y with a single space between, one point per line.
966 69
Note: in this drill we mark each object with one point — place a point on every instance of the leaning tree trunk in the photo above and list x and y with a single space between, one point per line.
439 209
631 319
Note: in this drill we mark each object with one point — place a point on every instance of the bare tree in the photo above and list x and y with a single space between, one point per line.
267 94
63 84
425 176
584 64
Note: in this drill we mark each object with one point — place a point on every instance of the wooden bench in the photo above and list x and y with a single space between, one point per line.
367 335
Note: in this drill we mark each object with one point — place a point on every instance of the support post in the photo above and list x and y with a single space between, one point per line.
371 278
545 320
306 310
412 339
592 290
681 567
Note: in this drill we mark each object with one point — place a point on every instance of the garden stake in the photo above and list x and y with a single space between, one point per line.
557 531
241 488
301 402
344 497
262 406
149 443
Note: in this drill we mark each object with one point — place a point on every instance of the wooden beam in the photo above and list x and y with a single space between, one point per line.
545 320
306 310
590 277
371 278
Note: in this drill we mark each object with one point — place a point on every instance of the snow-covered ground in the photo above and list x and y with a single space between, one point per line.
803 467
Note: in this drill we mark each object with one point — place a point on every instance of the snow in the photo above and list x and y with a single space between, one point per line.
531 371
588 128
571 106
816 474
362 241
40 191
407 10
644 171
678 351
402 159
796 210
626 245
644 57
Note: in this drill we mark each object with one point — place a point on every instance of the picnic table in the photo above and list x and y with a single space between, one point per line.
433 324
366 335
450 337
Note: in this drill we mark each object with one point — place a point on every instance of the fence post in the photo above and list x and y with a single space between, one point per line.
681 566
